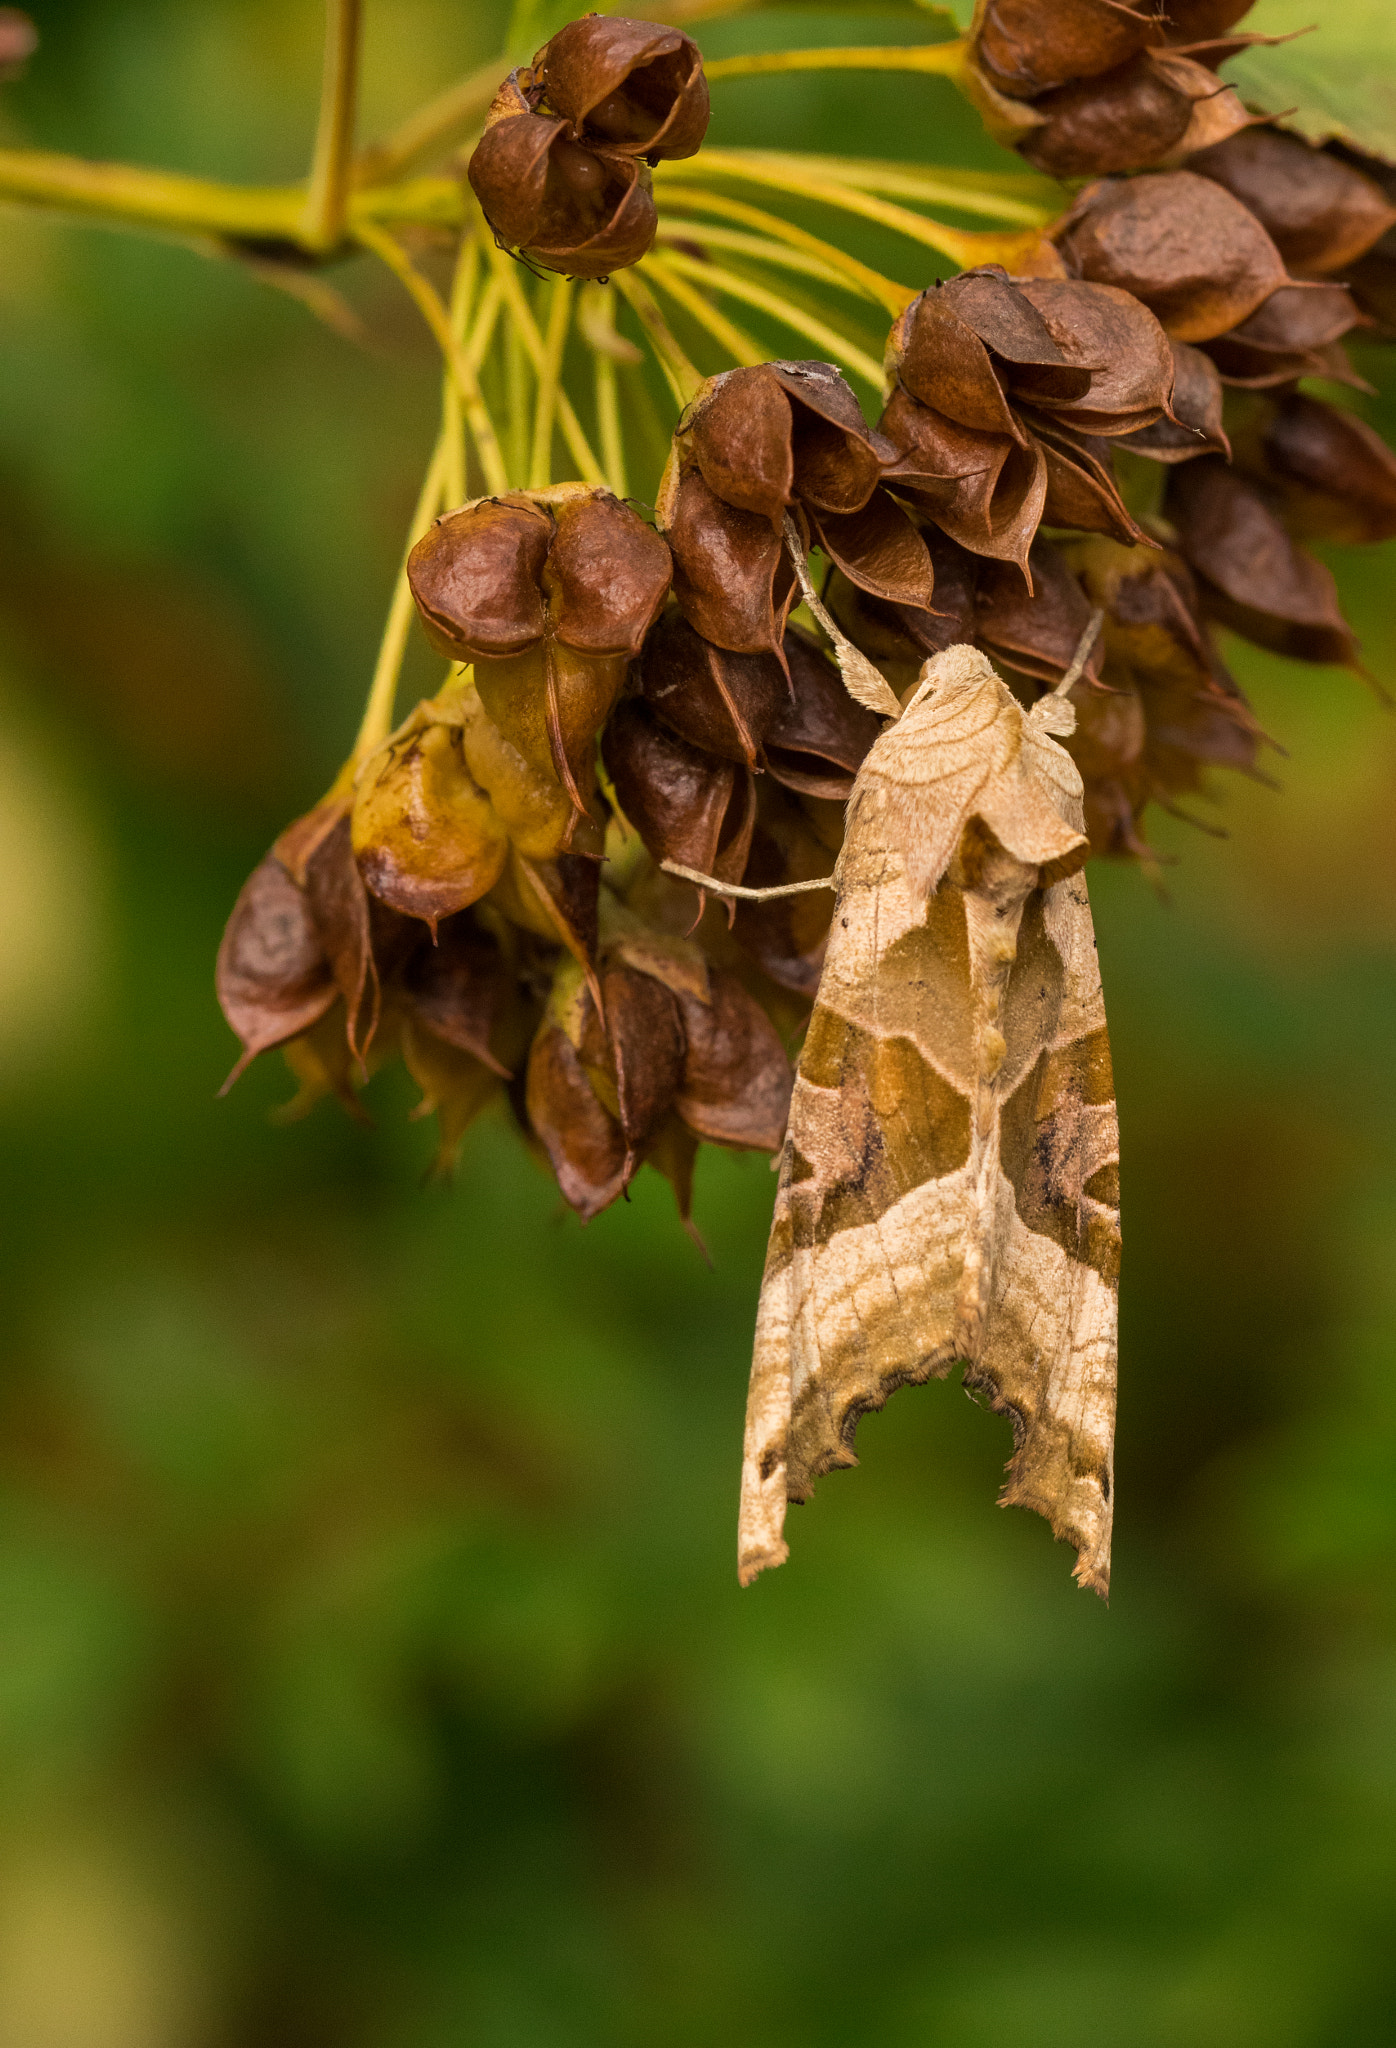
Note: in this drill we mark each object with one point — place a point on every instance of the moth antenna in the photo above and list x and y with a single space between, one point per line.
1082 654
735 889
863 681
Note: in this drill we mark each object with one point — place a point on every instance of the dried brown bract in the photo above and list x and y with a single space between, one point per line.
550 594
1251 575
1329 474
1321 213
1004 394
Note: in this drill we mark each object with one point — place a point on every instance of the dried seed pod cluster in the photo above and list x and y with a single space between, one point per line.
562 168
485 896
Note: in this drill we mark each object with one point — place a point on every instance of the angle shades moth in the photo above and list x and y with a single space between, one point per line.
949 1178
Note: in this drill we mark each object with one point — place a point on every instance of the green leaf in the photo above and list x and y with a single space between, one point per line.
1339 80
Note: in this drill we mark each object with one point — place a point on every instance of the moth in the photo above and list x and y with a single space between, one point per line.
949 1181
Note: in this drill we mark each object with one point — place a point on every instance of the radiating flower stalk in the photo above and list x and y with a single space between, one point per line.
1105 403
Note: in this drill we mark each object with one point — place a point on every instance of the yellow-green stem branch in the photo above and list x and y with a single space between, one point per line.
540 467
521 314
945 60
327 195
679 373
377 720
428 303
839 347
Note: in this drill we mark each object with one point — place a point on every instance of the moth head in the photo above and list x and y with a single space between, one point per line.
955 668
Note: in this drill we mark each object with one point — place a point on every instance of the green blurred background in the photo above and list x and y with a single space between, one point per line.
372 1666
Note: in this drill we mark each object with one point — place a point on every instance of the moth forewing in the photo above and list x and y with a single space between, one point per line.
947 1184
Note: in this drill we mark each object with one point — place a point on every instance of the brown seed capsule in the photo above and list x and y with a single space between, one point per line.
736 1083
1026 48
720 702
1193 254
687 806
732 576
819 737
786 937
635 1059
900 639
1196 426
1330 474
1143 110
583 1141
990 373
767 436
584 212
1321 213
458 989
551 595
427 839
1287 338
1169 711
1251 576
1036 635
632 86
273 978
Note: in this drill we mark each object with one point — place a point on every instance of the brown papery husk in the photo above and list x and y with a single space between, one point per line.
1037 635
1196 427
1081 487
1027 48
1132 364
1251 575
653 72
879 548
1332 475
721 702
583 1141
1287 337
475 578
732 577
1119 121
687 806
736 1082
606 575
427 839
273 977
1321 213
786 936
459 987
1197 258
641 1050
817 743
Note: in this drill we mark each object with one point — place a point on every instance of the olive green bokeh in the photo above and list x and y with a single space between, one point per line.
372 1665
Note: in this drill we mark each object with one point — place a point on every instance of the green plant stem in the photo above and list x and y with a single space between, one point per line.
734 340
167 202
521 315
540 467
946 60
679 373
674 266
327 194
848 269
1022 198
377 721
429 304
463 285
